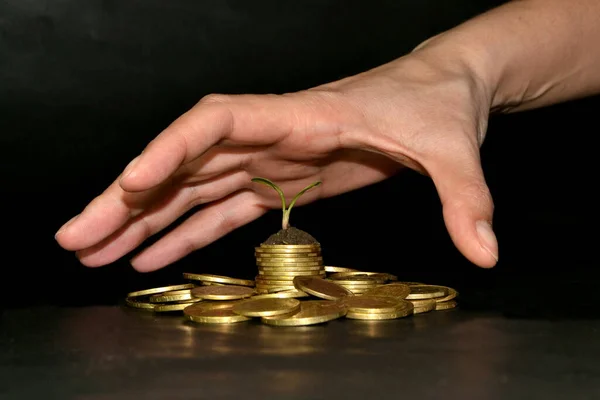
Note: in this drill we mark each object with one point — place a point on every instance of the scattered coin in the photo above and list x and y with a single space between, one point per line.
311 312
374 305
321 288
218 316
330 269
161 290
174 306
222 292
396 290
452 294
423 306
139 304
267 307
218 279
285 294
172 296
418 292
445 305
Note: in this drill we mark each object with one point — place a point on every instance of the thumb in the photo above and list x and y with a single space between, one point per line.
468 207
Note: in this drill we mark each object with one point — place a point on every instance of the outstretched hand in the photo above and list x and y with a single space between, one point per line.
348 134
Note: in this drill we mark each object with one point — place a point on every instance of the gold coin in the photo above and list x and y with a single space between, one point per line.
360 276
321 288
356 281
286 274
208 305
267 307
222 292
411 283
311 312
173 295
161 290
302 256
261 281
286 251
292 269
284 260
285 294
289 264
451 295
418 292
445 305
139 304
375 305
289 246
174 306
218 279
333 269
397 290
400 313
423 306
218 316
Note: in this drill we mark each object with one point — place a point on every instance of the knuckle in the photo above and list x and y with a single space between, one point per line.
215 98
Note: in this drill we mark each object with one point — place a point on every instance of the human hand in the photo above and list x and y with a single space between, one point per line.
415 112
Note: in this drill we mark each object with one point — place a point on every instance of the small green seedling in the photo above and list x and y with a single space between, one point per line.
285 223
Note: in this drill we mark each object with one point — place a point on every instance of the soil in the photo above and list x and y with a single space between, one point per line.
291 235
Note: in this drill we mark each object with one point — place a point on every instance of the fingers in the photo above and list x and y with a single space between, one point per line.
159 217
242 119
104 215
201 229
467 207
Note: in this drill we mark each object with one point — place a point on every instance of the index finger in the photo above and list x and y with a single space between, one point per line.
239 119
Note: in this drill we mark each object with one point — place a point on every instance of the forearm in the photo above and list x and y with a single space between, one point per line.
529 53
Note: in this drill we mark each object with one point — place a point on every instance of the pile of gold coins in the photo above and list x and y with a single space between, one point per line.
279 264
295 300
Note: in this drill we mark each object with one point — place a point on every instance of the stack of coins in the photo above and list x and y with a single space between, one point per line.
279 264
303 300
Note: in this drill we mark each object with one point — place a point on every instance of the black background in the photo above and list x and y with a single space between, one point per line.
85 85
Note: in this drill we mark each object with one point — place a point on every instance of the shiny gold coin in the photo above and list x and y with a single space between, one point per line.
423 306
163 289
400 313
375 305
333 269
286 251
267 307
418 292
222 292
287 260
452 294
345 275
289 246
300 256
285 294
207 305
218 316
396 290
283 281
356 281
378 277
274 289
173 295
139 304
311 312
321 288
411 283
174 306
218 279
289 264
445 305
318 268
285 274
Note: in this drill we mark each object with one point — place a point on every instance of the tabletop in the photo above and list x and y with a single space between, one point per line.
113 352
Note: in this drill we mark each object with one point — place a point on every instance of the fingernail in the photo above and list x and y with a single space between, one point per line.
66 225
487 238
129 170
